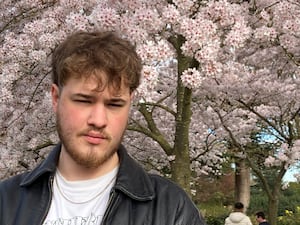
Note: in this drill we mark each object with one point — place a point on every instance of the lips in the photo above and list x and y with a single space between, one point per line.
95 138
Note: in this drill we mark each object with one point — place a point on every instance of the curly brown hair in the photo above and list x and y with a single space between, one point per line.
94 53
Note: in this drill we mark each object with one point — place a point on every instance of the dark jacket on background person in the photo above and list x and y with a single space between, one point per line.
138 198
264 223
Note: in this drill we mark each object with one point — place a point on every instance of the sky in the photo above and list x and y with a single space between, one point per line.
289 176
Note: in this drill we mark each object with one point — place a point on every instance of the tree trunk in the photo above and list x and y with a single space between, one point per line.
274 199
242 183
181 173
272 211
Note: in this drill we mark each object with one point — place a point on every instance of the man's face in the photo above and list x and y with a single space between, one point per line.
90 122
258 219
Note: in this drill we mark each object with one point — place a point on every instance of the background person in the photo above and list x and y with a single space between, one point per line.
261 218
237 217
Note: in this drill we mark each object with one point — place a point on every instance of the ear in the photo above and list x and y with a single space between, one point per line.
55 96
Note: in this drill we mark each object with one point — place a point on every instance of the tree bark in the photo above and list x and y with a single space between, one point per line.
242 183
181 173
272 210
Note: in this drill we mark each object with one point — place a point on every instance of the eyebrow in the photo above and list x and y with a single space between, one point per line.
118 100
87 96
81 95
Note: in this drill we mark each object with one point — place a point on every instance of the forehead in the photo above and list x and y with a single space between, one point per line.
97 83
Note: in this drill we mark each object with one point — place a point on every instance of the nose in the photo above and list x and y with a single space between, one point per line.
97 116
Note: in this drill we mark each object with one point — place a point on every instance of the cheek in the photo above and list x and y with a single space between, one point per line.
119 124
71 117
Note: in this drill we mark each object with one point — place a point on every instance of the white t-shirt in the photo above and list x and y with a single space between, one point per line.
79 202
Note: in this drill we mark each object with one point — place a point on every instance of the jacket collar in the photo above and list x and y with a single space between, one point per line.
132 180
47 167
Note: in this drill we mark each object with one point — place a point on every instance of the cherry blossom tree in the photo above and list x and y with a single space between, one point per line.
215 73
30 32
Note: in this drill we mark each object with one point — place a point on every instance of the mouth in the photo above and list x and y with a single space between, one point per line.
95 138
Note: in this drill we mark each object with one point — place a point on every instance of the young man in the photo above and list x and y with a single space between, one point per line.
89 178
237 217
261 218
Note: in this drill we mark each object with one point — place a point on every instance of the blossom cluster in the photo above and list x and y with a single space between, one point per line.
191 78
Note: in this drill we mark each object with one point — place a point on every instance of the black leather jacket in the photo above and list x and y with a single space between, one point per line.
137 198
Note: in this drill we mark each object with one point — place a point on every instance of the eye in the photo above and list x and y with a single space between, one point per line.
115 104
86 101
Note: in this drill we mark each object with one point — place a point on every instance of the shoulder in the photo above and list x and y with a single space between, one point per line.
162 182
11 187
11 182
139 184
166 188
10 190
227 220
247 220
169 193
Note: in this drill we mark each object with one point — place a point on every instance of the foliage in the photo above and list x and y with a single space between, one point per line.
221 190
289 199
214 213
212 220
259 202
290 217
288 209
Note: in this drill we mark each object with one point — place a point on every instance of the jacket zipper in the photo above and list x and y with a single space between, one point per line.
109 206
50 185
